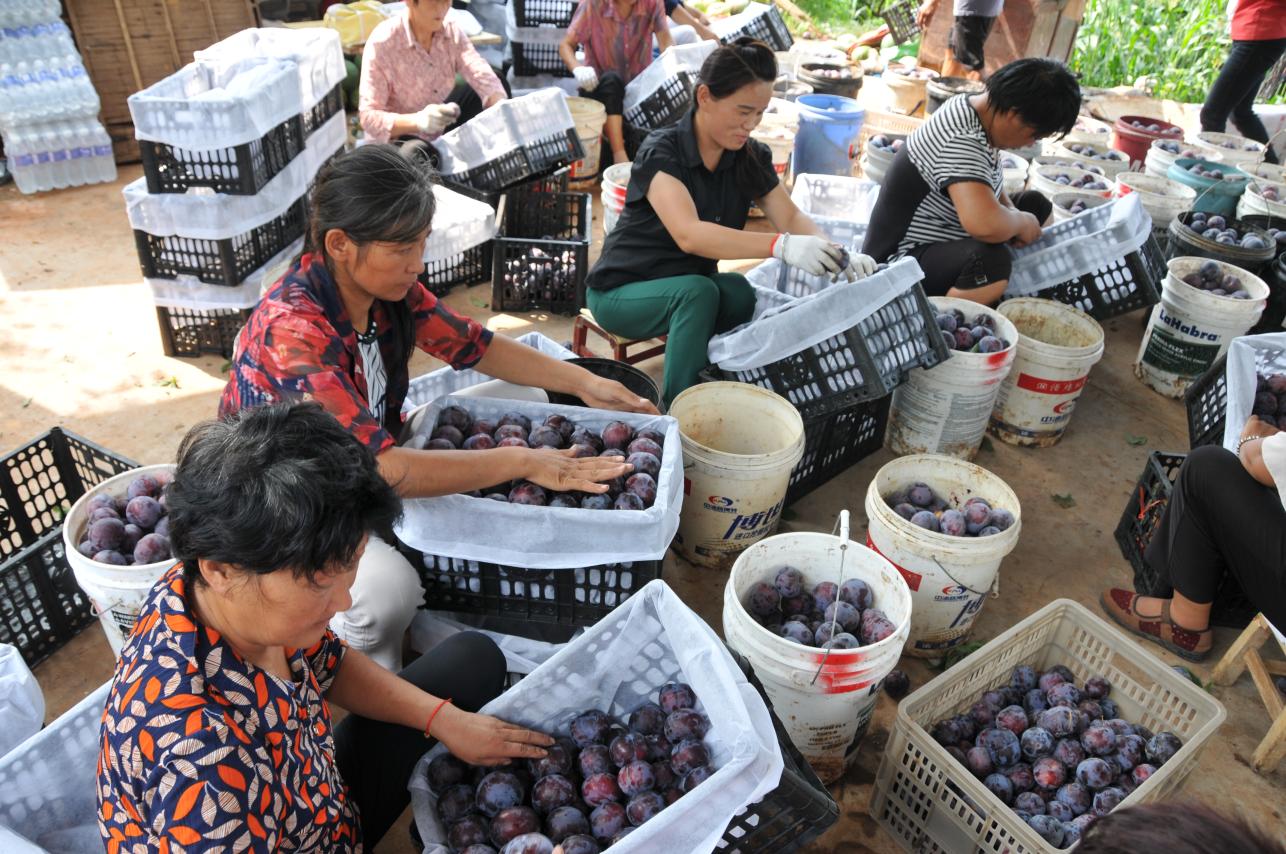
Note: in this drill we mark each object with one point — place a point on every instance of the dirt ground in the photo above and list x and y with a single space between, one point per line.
81 349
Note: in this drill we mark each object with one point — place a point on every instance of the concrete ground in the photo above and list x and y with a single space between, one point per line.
81 349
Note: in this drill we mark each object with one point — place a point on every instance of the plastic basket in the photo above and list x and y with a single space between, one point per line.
330 104
1206 401
759 21
532 267
188 332
221 262
665 106
927 801
464 268
835 197
901 20
794 282
544 13
555 183
548 153
427 388
531 60
1138 523
1126 284
1079 246
240 170
836 441
41 607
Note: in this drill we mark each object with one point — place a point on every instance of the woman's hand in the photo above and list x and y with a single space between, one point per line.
925 13
1029 230
484 740
563 472
816 256
602 393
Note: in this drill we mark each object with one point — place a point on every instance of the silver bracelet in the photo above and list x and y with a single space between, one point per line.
1244 439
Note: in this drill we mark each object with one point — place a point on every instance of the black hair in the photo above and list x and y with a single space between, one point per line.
1043 92
732 66
278 487
376 193
1176 828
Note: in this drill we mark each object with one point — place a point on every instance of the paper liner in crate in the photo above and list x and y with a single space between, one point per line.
835 196
191 293
427 388
618 663
502 128
681 57
1075 247
459 223
784 325
204 107
1248 356
530 35
489 531
207 215
316 52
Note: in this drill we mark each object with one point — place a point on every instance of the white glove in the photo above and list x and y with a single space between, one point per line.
586 78
435 118
859 266
816 256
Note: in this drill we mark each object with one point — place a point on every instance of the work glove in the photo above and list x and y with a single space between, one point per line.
859 266
436 118
586 78
816 256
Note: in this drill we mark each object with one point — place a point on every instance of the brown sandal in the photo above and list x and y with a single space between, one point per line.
1185 643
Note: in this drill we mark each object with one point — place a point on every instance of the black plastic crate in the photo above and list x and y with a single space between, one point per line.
1207 399
323 110
544 13
41 606
769 28
496 174
863 363
464 268
555 183
241 170
901 20
792 815
836 441
1124 285
190 332
553 152
569 597
1138 524
531 60
220 262
542 253
666 105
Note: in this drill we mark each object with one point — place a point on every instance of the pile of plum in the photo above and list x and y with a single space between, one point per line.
1270 399
1094 152
833 616
1008 162
1060 756
1271 194
130 529
886 143
916 73
597 783
923 507
970 336
1234 145
1171 147
1214 281
540 275
830 72
1214 174
1080 182
457 428
1215 227
1153 127
1077 206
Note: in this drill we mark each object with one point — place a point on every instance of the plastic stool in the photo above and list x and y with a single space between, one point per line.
584 324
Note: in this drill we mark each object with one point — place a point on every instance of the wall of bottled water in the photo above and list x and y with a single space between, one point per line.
48 106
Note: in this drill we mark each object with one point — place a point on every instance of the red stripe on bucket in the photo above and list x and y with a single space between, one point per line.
1040 386
912 578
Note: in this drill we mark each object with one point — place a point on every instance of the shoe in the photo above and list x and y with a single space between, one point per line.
1185 643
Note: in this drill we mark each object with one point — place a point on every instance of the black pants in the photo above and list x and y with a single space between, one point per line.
1221 520
376 759
610 92
969 263
968 35
1234 90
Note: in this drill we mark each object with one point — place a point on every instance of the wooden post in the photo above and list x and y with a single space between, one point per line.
129 45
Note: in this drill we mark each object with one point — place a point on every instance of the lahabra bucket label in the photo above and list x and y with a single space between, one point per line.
1172 354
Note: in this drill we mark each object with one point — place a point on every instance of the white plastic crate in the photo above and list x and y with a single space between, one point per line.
675 59
503 128
203 107
794 282
459 223
835 197
316 52
429 387
1083 244
927 801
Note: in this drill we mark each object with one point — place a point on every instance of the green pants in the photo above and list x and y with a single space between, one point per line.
687 309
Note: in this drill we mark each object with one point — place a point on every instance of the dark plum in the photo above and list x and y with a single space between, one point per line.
1002 744
1060 721
635 777
111 557
1036 742
479 442
529 843
687 755
644 807
455 417
674 696
1021 776
1049 773
800 604
607 820
1091 708
594 759
968 727
897 684
1012 718
152 548
875 626
482 425
645 463
1069 752
663 775
528 493
564 822
1094 773
624 832
107 533
798 632
983 714
920 495
1162 747
1030 803
445 770
1130 751
628 501
617 434
926 520
87 549
564 499
857 593
104 513
509 431
448 433
144 484
952 523
627 748
1059 810
644 486
695 778
1034 703
583 436
1049 679
647 718
590 727
847 616
947 732
580 843
551 792
788 582
1076 796
1107 800
516 419
544 437
1142 772
658 747
581 452
1023 678
600 501
686 724
600 789
562 424
1096 688
1064 694
824 594
614 453
999 785
455 803
558 759
499 790
644 445
441 445
507 442
1109 707
143 511
763 599
1099 740
1048 828
978 760
470 831
513 822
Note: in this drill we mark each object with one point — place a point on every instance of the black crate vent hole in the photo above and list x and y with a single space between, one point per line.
1124 285
241 170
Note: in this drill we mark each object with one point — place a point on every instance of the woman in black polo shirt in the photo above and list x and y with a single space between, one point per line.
689 194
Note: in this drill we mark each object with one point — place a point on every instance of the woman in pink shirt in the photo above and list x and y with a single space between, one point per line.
617 38
409 67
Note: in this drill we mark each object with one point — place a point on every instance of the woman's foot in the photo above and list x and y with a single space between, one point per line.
1149 618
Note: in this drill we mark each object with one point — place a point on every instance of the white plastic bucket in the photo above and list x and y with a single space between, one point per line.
945 409
1190 328
740 443
908 95
1159 161
616 180
1057 346
949 577
875 162
1253 203
1114 163
116 592
589 117
824 700
780 139
1246 151
1062 201
1015 177
1040 180
1162 198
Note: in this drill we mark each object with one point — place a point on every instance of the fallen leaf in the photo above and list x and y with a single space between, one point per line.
27 403
227 366
1064 500
1136 440
168 382
480 303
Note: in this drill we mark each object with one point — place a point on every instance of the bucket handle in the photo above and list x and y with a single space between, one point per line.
945 572
842 530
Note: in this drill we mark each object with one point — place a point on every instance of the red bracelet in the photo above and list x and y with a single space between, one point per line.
428 726
772 247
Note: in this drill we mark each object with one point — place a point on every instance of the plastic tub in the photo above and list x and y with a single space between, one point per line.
1042 179
1112 161
1191 328
1063 201
1186 241
1134 142
815 75
825 699
1057 347
1162 198
1158 161
736 469
1015 176
945 409
829 126
938 90
876 161
1075 162
589 117
1235 149
1270 171
909 91
1254 202
1091 130
790 90
949 577
1214 195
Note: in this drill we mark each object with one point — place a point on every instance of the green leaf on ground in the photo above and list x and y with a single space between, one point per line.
1064 500
958 653
480 303
227 366
168 382
27 403
1136 440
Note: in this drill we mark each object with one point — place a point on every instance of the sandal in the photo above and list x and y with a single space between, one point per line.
1185 643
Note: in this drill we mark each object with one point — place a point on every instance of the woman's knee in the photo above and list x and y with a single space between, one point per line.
1207 465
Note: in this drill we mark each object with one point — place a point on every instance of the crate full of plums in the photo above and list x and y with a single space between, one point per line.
1046 729
542 253
661 742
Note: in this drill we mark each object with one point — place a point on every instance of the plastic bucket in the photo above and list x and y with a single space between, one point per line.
827 140
909 94
949 577
876 161
627 375
945 409
1185 241
780 140
1190 328
1272 171
1234 149
116 592
589 117
790 90
824 700
1158 161
1057 346
740 443
1090 130
616 180
1062 201
814 74
1112 161
937 91
1253 202
1213 195
1014 177
1042 179
1076 163
1162 198
1134 142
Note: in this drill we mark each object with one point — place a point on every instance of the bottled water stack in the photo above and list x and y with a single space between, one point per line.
48 106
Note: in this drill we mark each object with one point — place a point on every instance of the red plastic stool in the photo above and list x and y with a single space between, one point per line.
584 324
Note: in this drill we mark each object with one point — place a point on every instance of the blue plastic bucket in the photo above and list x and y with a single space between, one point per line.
1216 196
826 143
